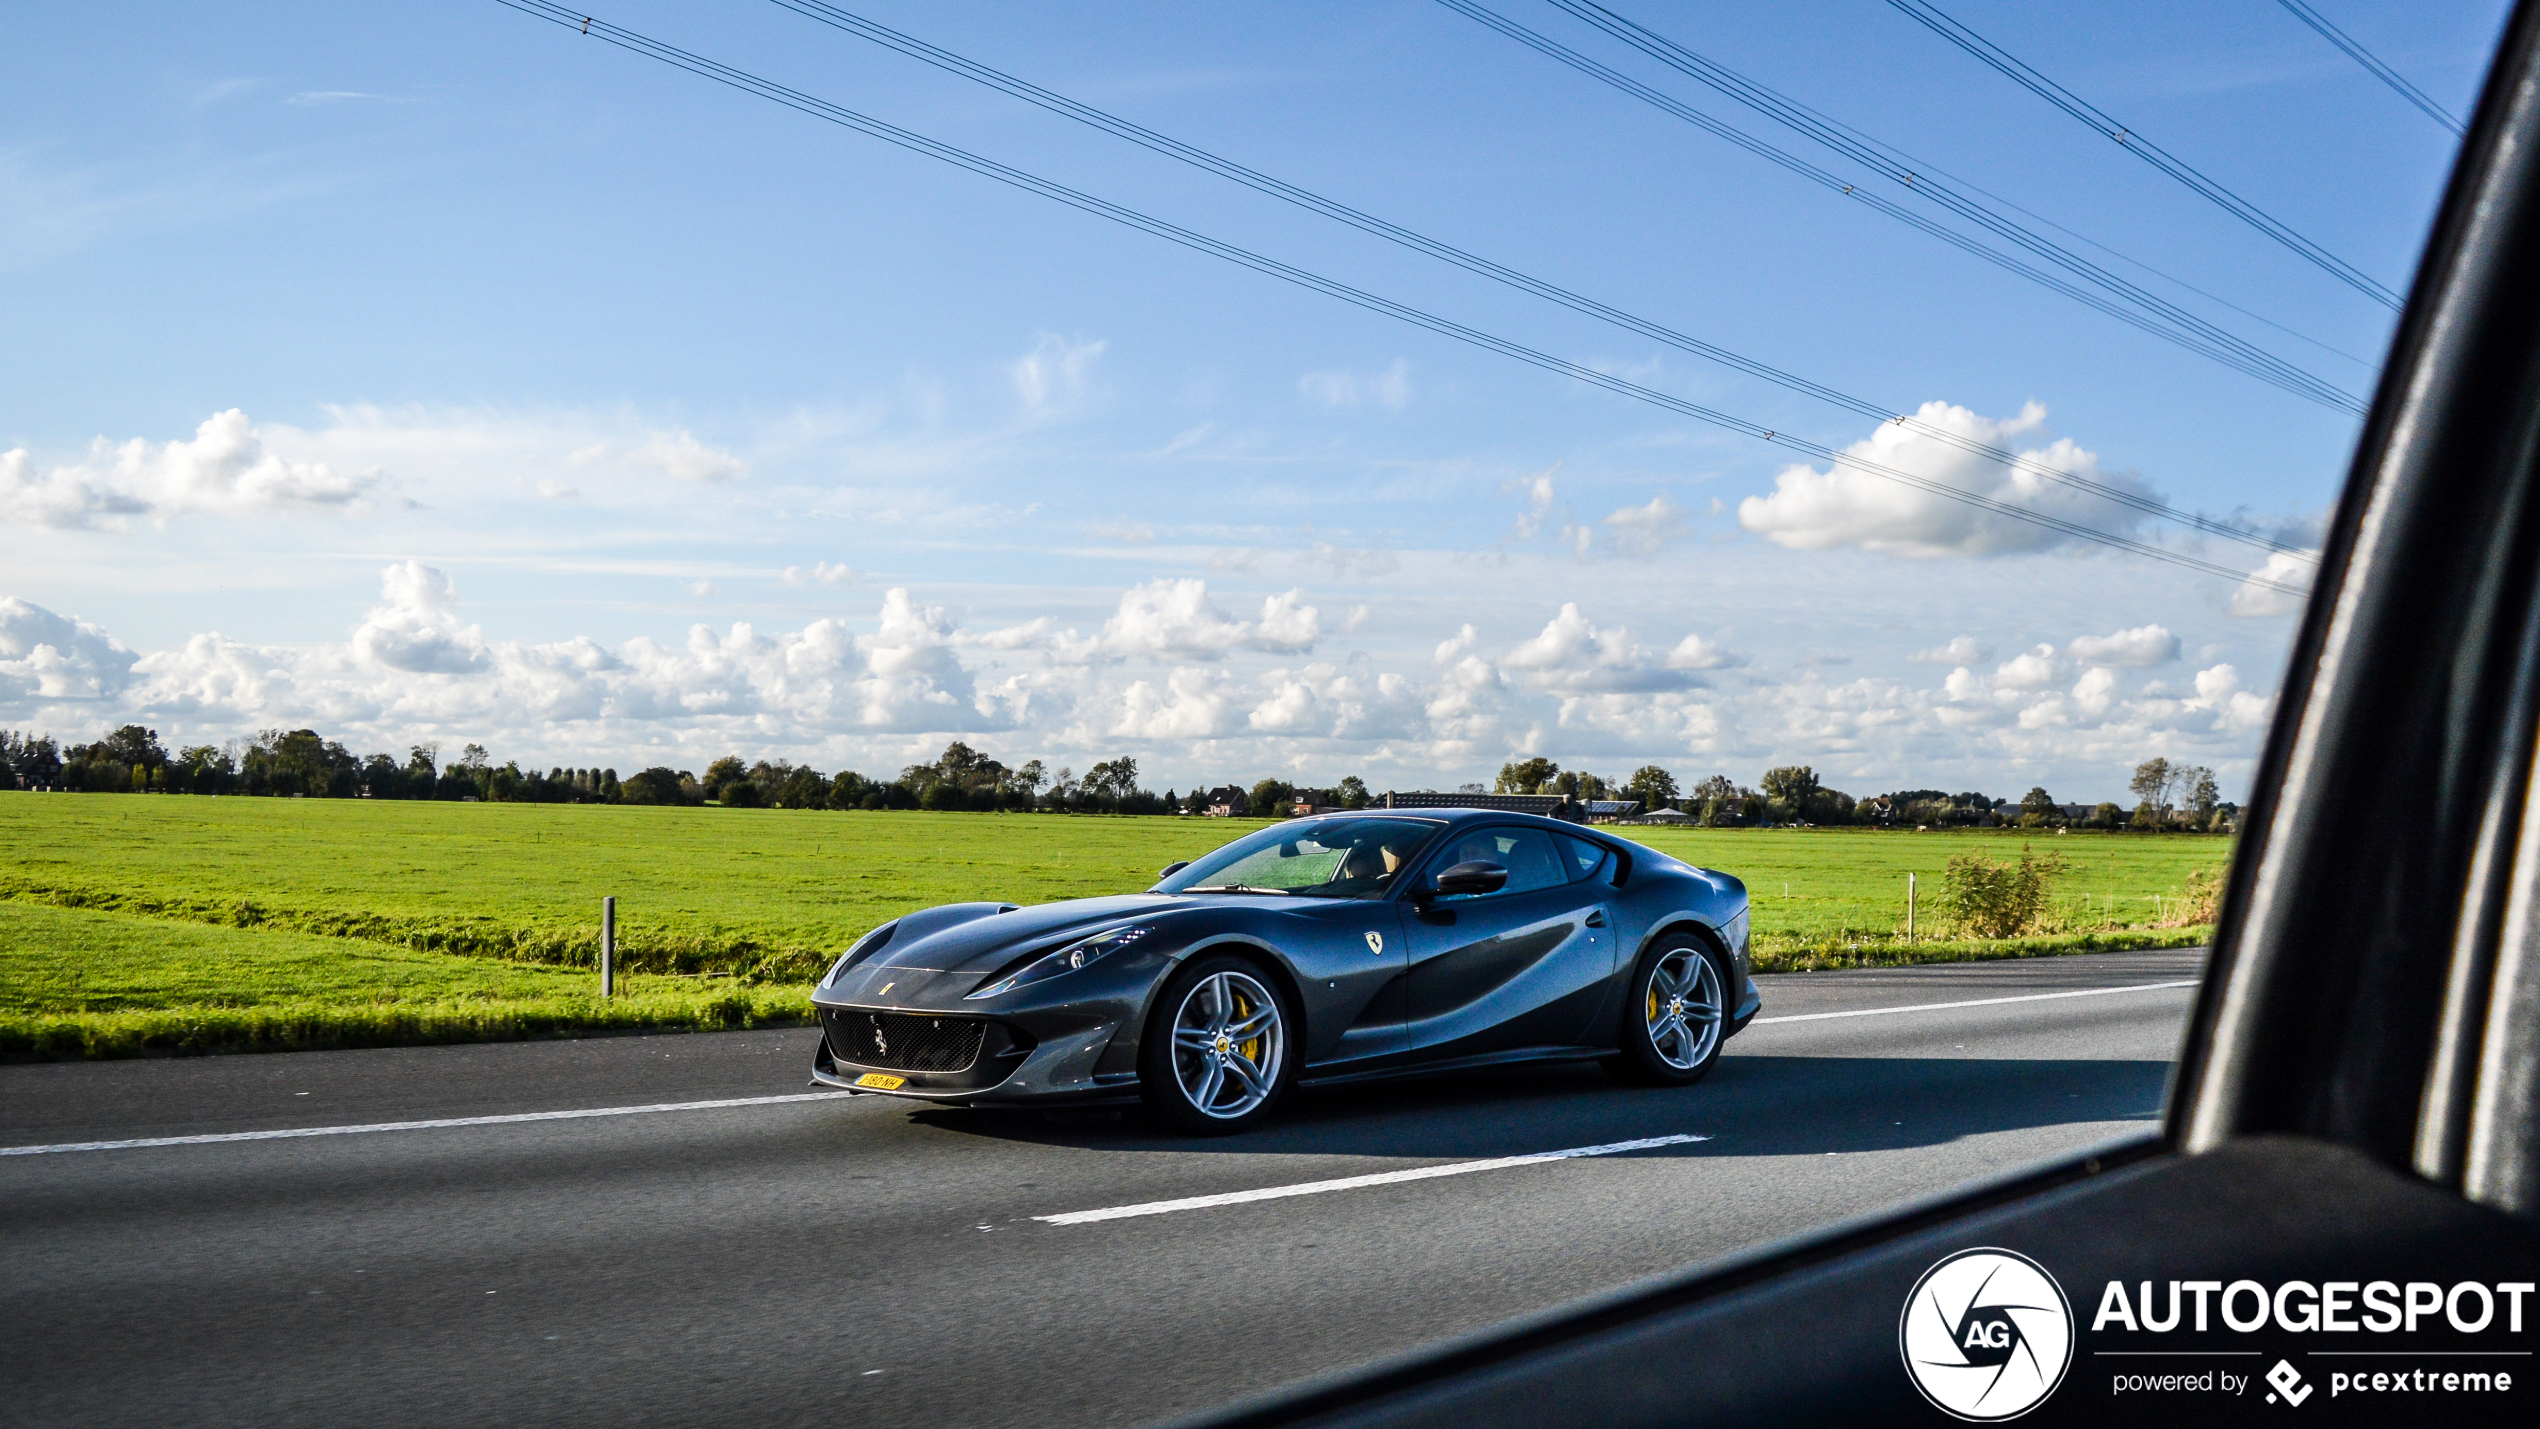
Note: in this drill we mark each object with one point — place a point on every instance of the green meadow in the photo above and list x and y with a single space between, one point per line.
134 924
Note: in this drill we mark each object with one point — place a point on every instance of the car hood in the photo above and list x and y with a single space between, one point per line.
981 945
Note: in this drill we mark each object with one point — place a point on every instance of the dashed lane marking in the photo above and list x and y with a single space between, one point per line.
1352 1183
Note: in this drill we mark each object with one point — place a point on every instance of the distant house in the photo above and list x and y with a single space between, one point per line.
1607 811
1227 802
1664 816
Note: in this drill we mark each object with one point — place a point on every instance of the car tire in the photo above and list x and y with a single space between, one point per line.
1679 988
1197 1067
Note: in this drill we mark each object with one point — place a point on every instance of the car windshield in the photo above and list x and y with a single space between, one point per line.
1323 858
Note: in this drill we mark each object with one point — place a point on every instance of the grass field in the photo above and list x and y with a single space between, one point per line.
287 922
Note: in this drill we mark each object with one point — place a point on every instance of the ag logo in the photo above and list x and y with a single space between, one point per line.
1987 1334
1376 944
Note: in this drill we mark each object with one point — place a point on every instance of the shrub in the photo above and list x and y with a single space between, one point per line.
1993 899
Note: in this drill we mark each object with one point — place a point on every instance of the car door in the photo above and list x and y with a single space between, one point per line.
1523 967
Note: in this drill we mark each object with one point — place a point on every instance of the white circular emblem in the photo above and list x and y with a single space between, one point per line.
1987 1334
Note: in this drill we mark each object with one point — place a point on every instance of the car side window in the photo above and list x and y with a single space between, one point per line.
1585 857
1528 855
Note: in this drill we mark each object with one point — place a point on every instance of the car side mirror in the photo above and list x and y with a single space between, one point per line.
1475 877
1168 870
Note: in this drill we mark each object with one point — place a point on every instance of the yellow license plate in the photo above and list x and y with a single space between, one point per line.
881 1081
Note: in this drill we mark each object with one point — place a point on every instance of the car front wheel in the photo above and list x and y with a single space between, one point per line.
1220 1049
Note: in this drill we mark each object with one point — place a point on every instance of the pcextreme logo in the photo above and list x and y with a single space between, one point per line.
1987 1334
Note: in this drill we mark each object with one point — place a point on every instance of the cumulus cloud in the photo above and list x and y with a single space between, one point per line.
2282 569
876 692
46 658
1192 705
2027 672
1169 618
1389 389
1813 510
1961 650
1573 653
416 627
226 467
2143 645
681 455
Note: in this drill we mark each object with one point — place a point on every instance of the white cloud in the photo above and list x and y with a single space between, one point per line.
416 627
1812 510
1961 650
1645 530
1056 373
1192 705
1695 653
1389 389
2142 645
46 657
2027 672
1134 533
822 573
1539 498
226 467
1572 653
2284 568
681 455
1169 618
703 590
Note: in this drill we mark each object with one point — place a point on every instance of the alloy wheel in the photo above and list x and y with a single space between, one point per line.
1229 1044
1683 1006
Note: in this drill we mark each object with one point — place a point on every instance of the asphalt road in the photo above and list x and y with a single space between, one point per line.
838 1261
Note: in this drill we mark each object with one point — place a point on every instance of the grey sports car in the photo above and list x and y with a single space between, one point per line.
1325 949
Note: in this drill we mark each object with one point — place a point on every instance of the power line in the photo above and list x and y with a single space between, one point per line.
2151 153
2368 60
1198 242
2186 330
1914 174
1060 104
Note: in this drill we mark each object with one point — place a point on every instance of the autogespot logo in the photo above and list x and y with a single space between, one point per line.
1986 1334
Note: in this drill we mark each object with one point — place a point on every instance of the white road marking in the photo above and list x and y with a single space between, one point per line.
288 1133
1352 1183
1977 1002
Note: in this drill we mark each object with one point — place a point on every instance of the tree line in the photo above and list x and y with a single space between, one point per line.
302 762
2168 797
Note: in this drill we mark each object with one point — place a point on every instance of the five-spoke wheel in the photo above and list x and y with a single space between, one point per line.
1219 1051
1678 1011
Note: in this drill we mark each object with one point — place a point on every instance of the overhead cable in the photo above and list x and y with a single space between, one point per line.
1112 124
2144 149
1087 203
1900 168
2369 61
2185 329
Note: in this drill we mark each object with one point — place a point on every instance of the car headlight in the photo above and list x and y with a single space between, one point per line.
1066 960
865 947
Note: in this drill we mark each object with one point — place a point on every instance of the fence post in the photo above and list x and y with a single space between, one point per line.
608 947
1909 907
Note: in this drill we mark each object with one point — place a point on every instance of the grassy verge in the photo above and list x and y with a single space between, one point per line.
81 983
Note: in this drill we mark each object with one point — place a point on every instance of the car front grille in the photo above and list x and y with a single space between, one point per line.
905 1041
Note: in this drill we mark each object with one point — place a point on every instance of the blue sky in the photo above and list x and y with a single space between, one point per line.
605 415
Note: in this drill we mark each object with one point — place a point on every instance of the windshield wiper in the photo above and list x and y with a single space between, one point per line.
1237 888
